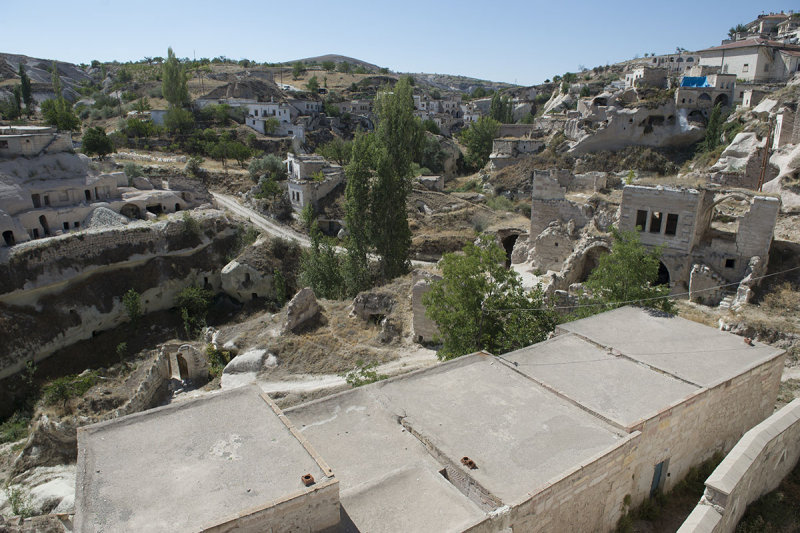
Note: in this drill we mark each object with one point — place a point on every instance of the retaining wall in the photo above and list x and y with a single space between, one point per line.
754 467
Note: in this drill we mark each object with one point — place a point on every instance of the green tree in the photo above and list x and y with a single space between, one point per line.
330 66
95 141
194 303
478 141
173 84
713 130
57 111
501 109
25 88
133 305
268 188
356 203
398 136
297 70
481 305
627 274
271 125
178 120
430 125
312 84
269 166
739 28
240 152
344 67
337 150
320 268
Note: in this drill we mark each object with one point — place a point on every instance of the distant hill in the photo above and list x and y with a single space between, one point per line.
463 84
336 59
38 71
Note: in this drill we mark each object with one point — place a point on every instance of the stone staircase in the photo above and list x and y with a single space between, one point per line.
727 300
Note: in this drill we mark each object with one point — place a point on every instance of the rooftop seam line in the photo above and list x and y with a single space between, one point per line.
563 396
611 350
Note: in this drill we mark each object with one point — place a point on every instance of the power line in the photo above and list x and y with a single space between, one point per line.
640 300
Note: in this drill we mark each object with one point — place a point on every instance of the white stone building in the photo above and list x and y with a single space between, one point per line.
754 59
311 178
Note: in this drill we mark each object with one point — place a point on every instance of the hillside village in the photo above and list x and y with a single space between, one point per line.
322 295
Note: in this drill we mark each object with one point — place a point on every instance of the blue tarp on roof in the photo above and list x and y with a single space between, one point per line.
694 81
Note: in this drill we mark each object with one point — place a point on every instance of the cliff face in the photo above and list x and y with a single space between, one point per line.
55 292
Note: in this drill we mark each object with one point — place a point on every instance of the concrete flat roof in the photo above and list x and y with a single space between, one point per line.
188 466
690 351
616 388
387 479
519 434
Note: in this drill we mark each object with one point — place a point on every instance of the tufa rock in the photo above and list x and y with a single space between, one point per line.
369 304
302 308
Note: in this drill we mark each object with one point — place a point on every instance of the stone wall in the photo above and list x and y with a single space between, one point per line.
549 204
151 390
425 329
755 466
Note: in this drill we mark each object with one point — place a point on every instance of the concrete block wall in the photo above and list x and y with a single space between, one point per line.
588 498
711 420
755 466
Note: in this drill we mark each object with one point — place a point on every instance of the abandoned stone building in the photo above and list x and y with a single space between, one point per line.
646 76
695 256
47 190
311 178
558 436
508 151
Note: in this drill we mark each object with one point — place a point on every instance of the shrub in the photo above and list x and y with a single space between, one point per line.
500 203
132 170
133 305
14 428
191 227
67 387
193 303
217 359
19 500
363 374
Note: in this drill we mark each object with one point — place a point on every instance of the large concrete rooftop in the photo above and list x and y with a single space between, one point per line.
189 466
621 390
687 350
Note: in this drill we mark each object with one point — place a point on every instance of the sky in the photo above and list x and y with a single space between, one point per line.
523 42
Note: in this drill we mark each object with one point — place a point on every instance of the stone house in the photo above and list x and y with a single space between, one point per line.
704 92
679 220
355 107
754 59
646 76
311 178
507 151
674 64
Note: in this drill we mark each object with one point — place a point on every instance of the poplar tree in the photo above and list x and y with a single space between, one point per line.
25 87
398 137
356 205
173 85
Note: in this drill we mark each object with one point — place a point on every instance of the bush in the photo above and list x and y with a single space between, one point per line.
14 428
217 359
269 165
194 303
67 387
363 374
500 203
132 170
133 305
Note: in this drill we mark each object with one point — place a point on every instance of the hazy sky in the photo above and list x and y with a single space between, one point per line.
512 41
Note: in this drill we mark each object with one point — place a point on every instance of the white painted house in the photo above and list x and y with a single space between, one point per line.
754 59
